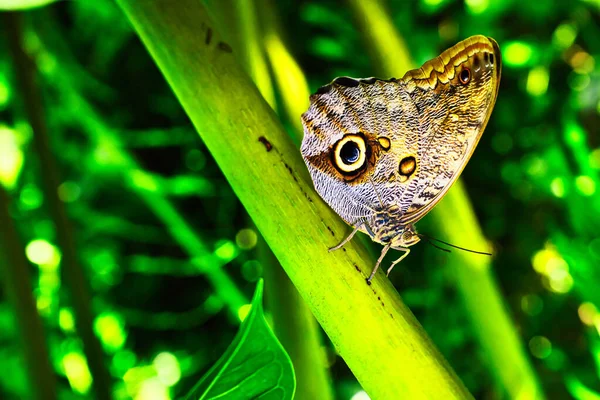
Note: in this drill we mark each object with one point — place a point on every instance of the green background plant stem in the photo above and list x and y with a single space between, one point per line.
16 278
106 140
373 330
455 219
71 272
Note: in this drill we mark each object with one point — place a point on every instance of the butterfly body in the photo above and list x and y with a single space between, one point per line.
382 153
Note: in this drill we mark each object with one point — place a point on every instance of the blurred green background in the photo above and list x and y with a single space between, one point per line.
170 258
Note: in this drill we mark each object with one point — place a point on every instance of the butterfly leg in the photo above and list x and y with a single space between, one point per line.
356 228
406 250
383 253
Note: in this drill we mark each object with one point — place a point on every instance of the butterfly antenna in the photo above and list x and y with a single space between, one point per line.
451 245
438 247
376 193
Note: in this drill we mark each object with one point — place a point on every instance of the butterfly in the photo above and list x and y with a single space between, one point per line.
383 153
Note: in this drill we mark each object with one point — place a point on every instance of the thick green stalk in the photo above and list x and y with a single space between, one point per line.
72 273
372 329
237 21
16 279
295 326
455 218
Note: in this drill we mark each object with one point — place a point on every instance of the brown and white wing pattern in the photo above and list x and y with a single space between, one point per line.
454 94
386 151
365 116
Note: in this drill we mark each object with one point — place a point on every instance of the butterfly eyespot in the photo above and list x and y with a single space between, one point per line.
408 165
350 153
465 76
384 142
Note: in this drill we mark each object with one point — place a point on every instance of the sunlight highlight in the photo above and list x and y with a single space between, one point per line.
77 372
167 368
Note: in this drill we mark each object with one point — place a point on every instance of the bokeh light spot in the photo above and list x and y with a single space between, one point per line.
560 281
77 372
195 160
564 36
557 187
43 303
535 166
433 3
66 321
153 389
582 62
42 253
537 81
532 304
585 185
328 48
578 82
244 311
226 250
109 328
11 157
574 134
252 270
360 395
136 376
4 93
246 239
548 262
587 313
69 192
540 347
517 53
477 6
167 368
31 197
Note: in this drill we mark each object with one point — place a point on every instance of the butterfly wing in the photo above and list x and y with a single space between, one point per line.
454 94
385 151
364 112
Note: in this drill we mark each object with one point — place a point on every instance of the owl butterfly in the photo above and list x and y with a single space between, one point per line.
383 153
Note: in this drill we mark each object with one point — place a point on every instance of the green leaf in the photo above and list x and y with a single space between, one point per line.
14 5
255 366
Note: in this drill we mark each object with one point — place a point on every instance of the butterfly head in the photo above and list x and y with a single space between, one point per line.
408 238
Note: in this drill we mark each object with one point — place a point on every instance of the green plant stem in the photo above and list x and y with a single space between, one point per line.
455 219
237 20
293 323
374 332
17 286
72 273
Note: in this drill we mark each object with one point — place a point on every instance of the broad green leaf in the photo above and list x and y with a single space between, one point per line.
255 366
23 4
